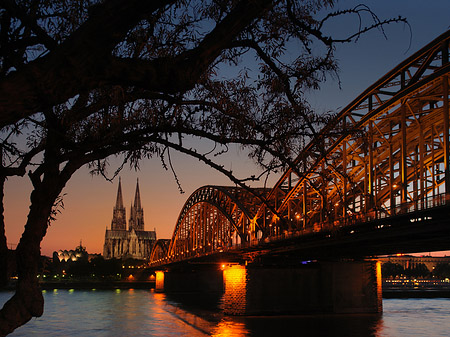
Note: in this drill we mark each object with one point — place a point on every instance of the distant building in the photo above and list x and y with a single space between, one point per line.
71 255
133 242
410 261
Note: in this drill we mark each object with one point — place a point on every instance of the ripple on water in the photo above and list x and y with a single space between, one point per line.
144 313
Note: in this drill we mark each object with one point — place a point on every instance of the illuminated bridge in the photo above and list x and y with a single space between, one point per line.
375 181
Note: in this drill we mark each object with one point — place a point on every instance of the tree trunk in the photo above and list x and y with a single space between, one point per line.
4 270
28 301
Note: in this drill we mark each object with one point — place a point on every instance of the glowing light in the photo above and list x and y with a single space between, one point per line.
159 285
235 281
379 285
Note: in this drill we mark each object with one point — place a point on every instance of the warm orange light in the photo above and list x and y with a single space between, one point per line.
159 285
131 277
235 281
379 286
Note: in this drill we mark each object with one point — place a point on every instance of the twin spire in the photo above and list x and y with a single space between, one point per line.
136 220
119 202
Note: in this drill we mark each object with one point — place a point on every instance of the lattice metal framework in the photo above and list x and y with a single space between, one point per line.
159 250
214 218
386 153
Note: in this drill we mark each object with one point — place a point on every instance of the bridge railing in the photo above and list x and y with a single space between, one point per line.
375 214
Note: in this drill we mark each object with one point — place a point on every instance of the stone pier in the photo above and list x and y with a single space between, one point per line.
322 287
204 279
318 287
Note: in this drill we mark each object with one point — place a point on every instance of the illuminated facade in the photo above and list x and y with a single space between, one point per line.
71 255
410 261
133 242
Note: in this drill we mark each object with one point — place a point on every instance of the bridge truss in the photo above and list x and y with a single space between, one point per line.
385 154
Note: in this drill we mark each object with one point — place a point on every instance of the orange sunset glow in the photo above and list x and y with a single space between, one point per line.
89 201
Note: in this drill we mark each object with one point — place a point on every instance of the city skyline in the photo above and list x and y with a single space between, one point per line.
89 201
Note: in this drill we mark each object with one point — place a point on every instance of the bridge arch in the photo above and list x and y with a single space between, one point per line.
386 153
213 218
159 250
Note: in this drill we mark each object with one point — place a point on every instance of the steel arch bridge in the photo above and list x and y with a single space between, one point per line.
385 154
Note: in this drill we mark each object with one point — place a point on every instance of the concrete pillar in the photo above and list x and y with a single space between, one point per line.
159 283
322 287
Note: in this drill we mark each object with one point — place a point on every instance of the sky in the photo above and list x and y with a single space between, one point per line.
89 200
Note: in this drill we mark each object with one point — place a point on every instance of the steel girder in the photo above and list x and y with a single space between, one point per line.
214 218
159 250
387 152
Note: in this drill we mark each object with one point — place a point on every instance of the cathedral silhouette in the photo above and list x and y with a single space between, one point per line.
133 242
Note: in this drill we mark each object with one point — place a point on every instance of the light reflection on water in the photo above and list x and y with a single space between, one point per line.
124 313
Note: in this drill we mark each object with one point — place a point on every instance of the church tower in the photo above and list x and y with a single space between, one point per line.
133 242
119 219
137 213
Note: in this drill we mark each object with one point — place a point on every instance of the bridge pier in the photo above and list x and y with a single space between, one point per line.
190 280
322 287
317 287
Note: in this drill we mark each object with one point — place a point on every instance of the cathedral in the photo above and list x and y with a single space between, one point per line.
133 242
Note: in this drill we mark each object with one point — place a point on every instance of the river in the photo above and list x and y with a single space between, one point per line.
123 313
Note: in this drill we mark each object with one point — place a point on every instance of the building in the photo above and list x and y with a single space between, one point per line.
79 253
133 242
410 261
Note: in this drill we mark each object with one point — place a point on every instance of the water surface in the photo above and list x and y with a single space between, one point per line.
121 313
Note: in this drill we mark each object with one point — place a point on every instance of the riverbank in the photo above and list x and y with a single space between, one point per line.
416 288
416 293
424 289
98 285
91 284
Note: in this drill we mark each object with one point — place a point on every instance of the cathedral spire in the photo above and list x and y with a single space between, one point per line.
119 220
137 213
119 201
137 197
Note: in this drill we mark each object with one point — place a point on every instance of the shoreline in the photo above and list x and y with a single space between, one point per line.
388 292
106 285
416 293
98 285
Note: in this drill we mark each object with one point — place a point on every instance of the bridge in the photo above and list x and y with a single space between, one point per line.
374 181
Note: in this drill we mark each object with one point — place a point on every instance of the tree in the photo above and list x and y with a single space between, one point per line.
392 270
442 270
84 80
419 270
